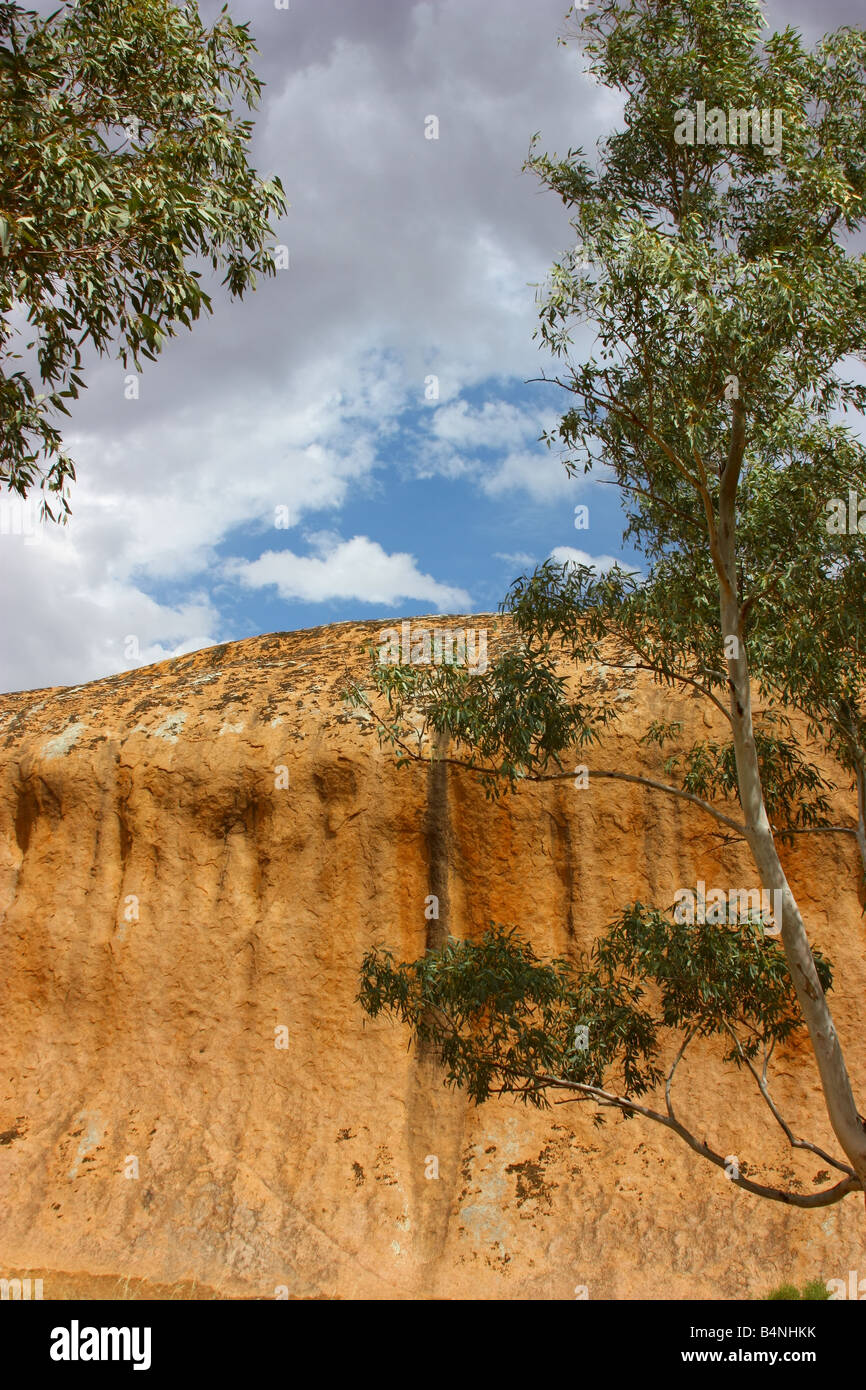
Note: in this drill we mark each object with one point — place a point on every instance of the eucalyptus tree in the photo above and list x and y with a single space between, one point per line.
713 259
807 639
124 166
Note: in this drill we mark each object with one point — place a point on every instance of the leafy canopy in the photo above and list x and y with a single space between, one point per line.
728 303
502 1019
123 167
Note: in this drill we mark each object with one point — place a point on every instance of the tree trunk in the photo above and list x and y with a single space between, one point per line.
835 1082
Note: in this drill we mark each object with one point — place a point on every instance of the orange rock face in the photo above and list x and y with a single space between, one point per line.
194 859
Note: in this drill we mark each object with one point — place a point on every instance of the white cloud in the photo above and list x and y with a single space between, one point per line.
65 628
540 474
496 425
457 430
567 555
356 569
519 558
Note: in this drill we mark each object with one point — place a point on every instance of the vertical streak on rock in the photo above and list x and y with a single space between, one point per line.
435 1116
439 839
567 858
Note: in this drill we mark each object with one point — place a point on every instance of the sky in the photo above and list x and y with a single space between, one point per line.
286 464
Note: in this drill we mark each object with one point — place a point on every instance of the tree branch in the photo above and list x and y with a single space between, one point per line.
564 776
670 1076
795 1143
672 676
825 1198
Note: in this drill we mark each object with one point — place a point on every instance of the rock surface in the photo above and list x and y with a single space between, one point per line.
168 906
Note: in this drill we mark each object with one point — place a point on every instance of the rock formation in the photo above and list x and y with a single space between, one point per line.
194 858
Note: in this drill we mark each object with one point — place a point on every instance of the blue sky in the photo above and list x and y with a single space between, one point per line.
468 531
408 257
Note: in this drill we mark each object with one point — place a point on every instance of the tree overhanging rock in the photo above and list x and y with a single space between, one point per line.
194 859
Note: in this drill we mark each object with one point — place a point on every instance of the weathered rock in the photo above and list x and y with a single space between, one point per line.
166 907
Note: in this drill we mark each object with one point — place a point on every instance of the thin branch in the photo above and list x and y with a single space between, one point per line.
671 676
670 1077
655 786
564 776
795 1143
612 402
825 1198
782 831
644 492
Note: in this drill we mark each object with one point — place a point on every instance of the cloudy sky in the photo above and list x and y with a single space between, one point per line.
283 466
